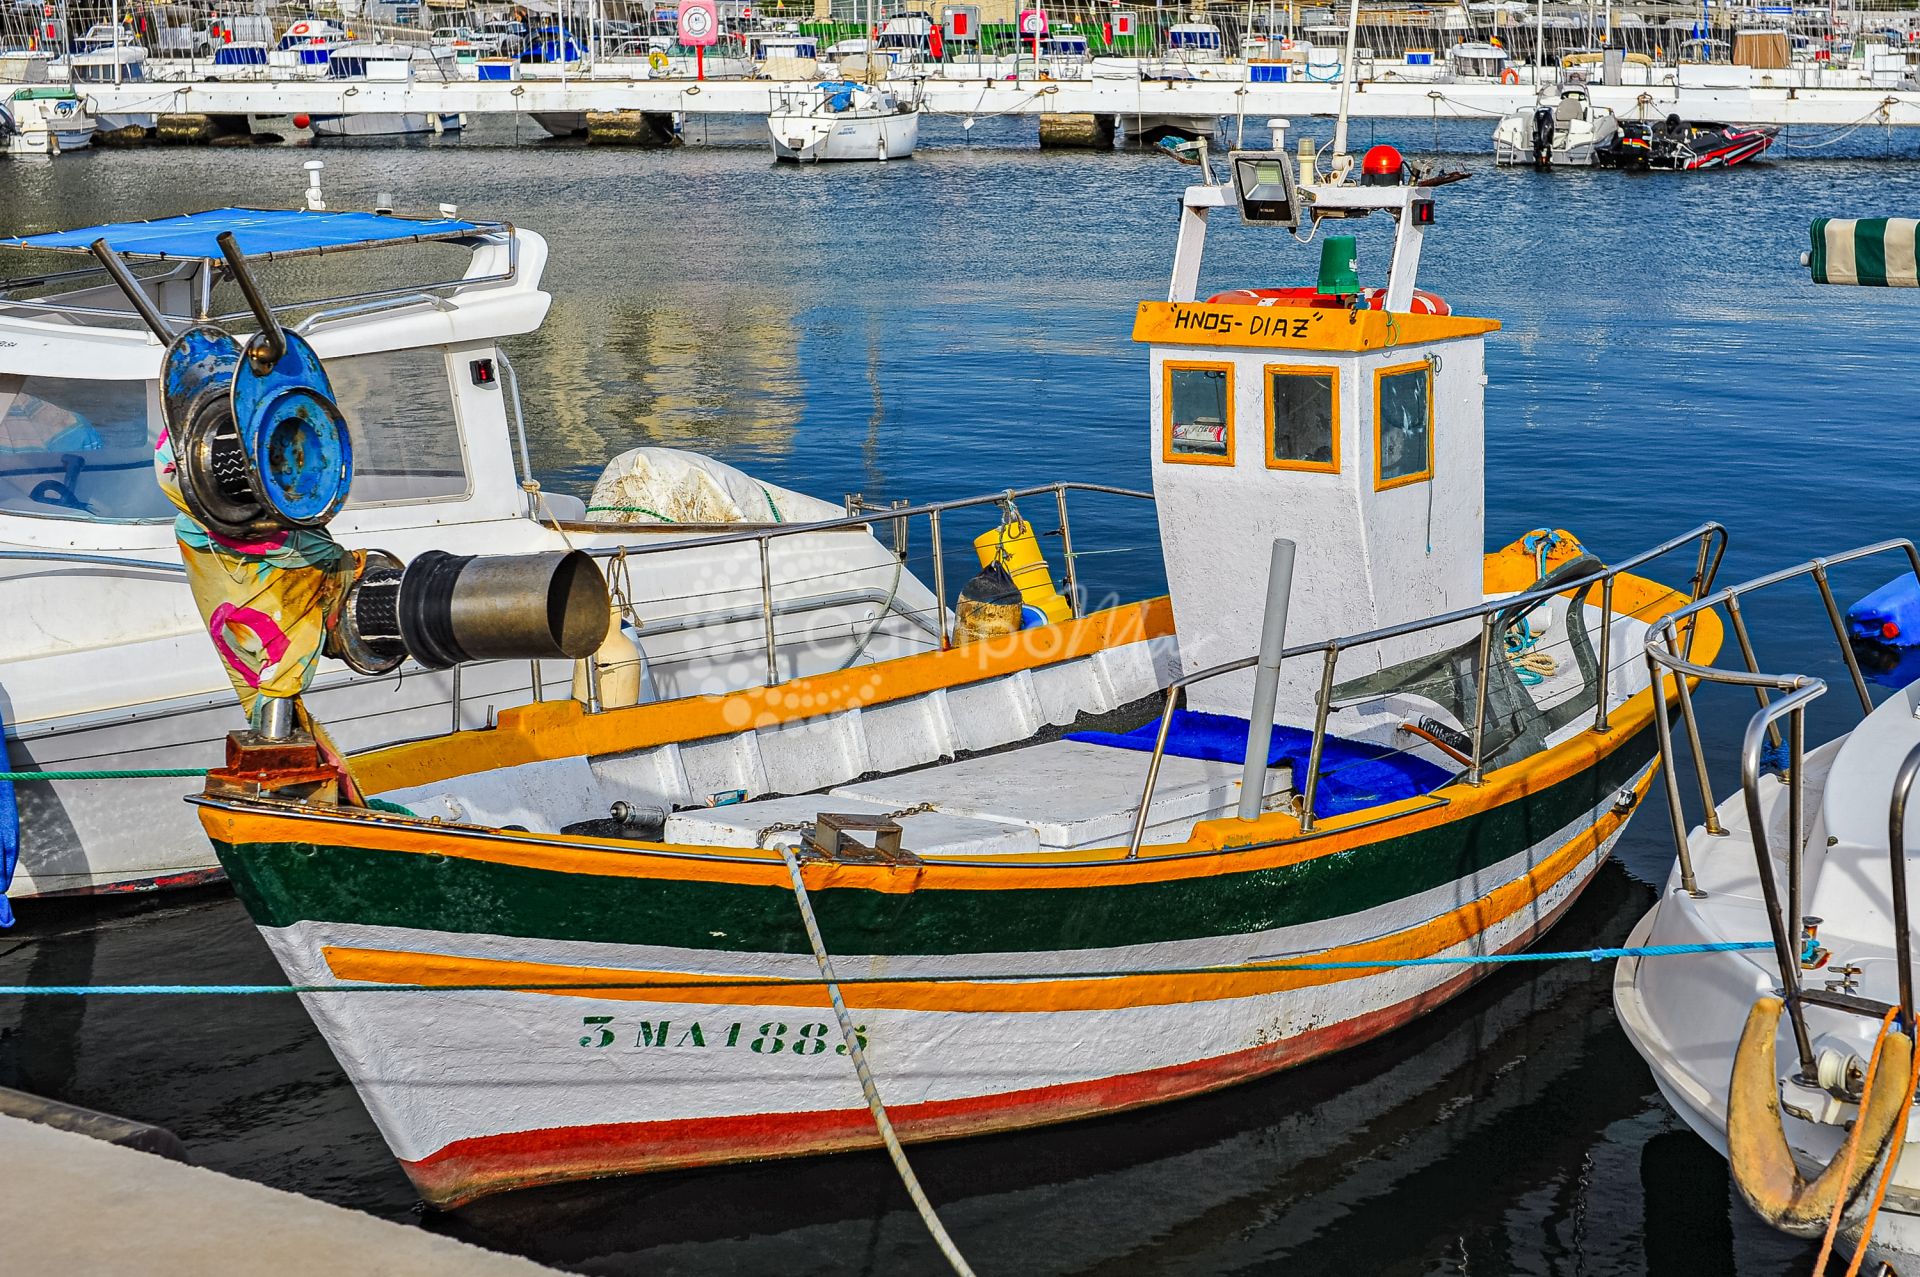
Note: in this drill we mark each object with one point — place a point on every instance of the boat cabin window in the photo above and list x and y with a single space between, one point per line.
1198 407
406 435
76 448
1303 419
1403 424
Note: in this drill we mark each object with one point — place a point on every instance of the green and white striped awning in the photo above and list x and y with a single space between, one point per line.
1877 252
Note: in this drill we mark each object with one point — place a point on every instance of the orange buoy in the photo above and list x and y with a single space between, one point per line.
1509 76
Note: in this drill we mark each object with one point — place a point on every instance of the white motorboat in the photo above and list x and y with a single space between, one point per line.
369 63
1564 131
114 64
305 49
44 119
843 120
1766 1051
106 664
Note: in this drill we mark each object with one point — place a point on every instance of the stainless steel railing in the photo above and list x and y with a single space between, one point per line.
1674 661
1494 616
1795 693
900 517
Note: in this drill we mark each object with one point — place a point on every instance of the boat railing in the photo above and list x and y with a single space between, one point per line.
1494 617
899 519
1667 657
1666 654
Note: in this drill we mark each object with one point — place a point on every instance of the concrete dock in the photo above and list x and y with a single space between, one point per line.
78 1205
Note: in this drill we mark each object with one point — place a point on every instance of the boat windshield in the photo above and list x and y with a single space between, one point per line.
76 448
400 415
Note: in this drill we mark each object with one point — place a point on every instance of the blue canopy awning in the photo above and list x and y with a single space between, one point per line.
261 232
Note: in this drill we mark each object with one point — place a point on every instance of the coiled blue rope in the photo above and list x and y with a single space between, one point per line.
226 990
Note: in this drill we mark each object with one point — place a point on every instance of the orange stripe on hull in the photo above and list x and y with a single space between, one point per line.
471 1168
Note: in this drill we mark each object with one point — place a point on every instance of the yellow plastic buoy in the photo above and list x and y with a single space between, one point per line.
1019 546
619 663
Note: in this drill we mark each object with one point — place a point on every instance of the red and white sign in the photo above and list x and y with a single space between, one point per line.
963 21
699 24
1033 23
1122 24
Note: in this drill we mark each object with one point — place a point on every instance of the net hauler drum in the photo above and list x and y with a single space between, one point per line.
445 609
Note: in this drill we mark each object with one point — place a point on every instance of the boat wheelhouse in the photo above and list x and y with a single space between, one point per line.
1038 873
109 667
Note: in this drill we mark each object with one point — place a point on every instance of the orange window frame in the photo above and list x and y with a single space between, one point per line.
1380 483
1332 374
1167 453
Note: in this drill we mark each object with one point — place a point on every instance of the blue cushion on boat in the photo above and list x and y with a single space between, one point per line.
1353 774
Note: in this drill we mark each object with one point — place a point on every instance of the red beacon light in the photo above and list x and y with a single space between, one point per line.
1381 166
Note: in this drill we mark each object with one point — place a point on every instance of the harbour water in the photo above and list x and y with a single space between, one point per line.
957 324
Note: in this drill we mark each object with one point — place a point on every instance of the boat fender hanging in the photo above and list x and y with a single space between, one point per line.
1016 544
1762 1162
989 605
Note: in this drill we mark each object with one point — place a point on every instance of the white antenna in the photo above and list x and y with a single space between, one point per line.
1342 162
315 202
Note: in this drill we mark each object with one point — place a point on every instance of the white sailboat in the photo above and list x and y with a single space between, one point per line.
846 119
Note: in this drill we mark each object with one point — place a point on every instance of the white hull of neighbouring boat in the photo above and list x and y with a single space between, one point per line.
845 135
48 127
511 1088
386 124
1685 1015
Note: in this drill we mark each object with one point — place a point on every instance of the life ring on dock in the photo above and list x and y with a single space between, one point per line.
1371 299
1509 76
658 61
1763 1165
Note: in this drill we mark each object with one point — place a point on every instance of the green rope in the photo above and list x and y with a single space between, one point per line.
770 505
154 773
630 509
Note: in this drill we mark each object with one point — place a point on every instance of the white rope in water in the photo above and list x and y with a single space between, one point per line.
872 1092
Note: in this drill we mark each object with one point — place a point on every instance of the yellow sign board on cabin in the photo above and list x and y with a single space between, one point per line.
1295 327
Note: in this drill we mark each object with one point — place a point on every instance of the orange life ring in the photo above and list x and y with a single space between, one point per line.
1371 299
1509 76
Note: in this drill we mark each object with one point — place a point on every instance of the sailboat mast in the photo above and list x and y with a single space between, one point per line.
1341 162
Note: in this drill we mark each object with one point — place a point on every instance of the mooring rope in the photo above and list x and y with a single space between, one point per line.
836 982
152 773
928 1215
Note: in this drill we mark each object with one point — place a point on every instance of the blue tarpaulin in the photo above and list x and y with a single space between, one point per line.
839 93
1353 774
261 232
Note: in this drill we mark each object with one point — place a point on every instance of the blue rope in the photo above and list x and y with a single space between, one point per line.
1590 955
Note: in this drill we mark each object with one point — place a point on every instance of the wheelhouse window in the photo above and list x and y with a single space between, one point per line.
1198 408
77 448
1303 418
406 435
1403 424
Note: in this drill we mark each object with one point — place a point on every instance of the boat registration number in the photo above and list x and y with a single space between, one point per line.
766 1037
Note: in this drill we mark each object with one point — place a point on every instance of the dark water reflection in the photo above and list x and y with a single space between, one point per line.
959 324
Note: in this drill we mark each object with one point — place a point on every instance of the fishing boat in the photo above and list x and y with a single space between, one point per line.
1036 873
1795 1060
106 670
113 64
45 119
843 120
1566 130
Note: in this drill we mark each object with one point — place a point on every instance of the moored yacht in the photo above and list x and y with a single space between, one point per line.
105 667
